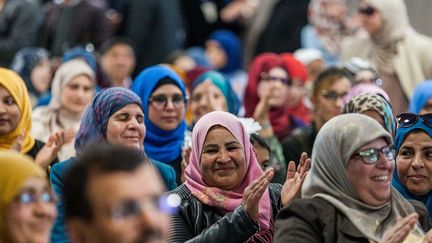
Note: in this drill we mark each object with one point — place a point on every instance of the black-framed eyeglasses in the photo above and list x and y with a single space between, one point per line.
30 197
160 102
332 95
408 119
367 10
131 209
371 155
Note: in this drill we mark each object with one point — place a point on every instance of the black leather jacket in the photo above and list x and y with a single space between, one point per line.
197 222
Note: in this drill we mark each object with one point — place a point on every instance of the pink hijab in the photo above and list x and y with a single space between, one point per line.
227 201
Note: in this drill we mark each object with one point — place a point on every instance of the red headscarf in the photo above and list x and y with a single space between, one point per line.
279 117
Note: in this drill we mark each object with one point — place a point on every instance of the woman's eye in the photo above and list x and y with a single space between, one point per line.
405 152
9 101
123 117
428 154
140 119
211 151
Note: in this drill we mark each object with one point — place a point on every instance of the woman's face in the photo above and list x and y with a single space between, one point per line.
371 182
31 221
223 161
9 112
414 163
365 77
166 107
296 92
206 97
275 84
41 76
126 127
215 54
328 106
370 18
375 115
427 108
77 94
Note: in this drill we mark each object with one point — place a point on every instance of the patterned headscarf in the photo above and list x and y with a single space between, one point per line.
224 200
15 169
233 102
17 88
422 93
94 124
335 144
161 145
365 102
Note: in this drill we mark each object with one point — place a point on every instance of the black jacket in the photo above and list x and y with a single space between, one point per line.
197 222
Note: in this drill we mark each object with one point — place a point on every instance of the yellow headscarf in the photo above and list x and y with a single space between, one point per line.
15 169
16 87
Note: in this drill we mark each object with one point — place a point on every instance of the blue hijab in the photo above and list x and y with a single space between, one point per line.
422 93
230 43
94 124
223 84
401 134
162 145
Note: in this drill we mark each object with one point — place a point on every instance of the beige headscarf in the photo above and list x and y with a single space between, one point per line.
336 141
15 169
53 117
396 48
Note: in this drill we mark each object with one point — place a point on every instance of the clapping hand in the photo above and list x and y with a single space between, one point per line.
51 148
253 193
292 187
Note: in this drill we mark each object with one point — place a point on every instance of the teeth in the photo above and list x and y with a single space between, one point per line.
380 178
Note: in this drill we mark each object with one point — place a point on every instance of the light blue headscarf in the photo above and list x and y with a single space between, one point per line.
223 84
422 93
164 146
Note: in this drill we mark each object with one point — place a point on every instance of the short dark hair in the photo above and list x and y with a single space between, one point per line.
328 77
95 159
116 40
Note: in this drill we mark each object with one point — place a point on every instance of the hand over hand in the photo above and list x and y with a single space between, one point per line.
50 150
253 193
292 187
398 232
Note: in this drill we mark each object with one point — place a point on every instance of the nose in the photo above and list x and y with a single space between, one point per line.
417 162
43 209
383 162
224 156
149 220
339 102
133 124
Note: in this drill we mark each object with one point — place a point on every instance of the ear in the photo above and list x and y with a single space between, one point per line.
79 230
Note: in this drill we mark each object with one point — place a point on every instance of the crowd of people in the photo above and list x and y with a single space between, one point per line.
208 121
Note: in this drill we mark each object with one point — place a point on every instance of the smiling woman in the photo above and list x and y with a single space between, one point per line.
413 142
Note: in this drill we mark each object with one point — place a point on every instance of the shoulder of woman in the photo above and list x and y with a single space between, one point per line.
309 209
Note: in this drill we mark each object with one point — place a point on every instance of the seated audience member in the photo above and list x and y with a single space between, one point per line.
16 123
413 143
164 97
267 95
374 106
112 194
314 62
34 67
211 91
362 71
118 61
365 89
224 52
328 90
227 196
27 205
348 197
72 89
114 116
421 100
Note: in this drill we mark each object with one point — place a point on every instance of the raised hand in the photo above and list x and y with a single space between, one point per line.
295 177
50 150
185 161
398 232
253 193
17 144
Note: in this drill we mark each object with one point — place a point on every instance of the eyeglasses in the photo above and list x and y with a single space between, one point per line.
29 197
332 95
131 209
160 102
409 119
368 10
371 155
267 77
